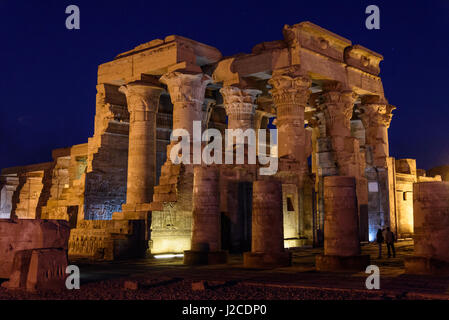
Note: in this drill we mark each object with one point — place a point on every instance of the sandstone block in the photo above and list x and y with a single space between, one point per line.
21 235
38 269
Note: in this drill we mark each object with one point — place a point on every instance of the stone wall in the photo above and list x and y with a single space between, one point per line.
8 185
171 221
56 184
24 190
406 175
404 204
107 240
107 156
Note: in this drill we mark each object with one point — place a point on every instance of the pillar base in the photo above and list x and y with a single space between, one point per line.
425 266
334 263
205 257
262 260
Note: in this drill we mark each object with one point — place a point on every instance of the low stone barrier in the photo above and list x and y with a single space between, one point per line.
33 253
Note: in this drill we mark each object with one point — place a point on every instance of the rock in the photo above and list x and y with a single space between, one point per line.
22 235
38 269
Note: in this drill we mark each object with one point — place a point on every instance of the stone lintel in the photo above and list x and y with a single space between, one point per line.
310 36
157 59
363 83
232 70
363 59
207 54
316 29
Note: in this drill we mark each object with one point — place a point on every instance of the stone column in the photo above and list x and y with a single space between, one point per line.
322 165
341 236
206 233
187 95
290 95
143 102
267 245
338 108
173 195
431 229
376 119
240 107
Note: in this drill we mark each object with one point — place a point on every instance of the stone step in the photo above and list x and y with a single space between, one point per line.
168 188
164 197
168 180
170 169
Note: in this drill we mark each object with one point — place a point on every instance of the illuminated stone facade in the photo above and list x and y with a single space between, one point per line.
120 190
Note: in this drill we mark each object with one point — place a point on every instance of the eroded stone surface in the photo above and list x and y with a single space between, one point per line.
31 246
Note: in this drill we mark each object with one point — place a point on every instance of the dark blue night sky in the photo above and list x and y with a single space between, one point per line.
48 73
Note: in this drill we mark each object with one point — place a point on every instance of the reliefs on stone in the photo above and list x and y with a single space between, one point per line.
290 94
338 107
141 98
184 87
187 95
290 90
240 106
376 117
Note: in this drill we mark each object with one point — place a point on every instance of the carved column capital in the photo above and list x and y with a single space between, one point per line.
141 97
290 95
240 106
388 116
290 89
376 115
376 118
185 87
187 93
238 100
338 108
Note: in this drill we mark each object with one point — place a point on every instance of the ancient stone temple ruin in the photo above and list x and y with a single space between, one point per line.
123 196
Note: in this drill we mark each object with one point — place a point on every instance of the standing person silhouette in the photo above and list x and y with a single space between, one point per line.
390 239
380 240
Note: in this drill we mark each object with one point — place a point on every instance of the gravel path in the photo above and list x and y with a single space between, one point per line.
179 289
